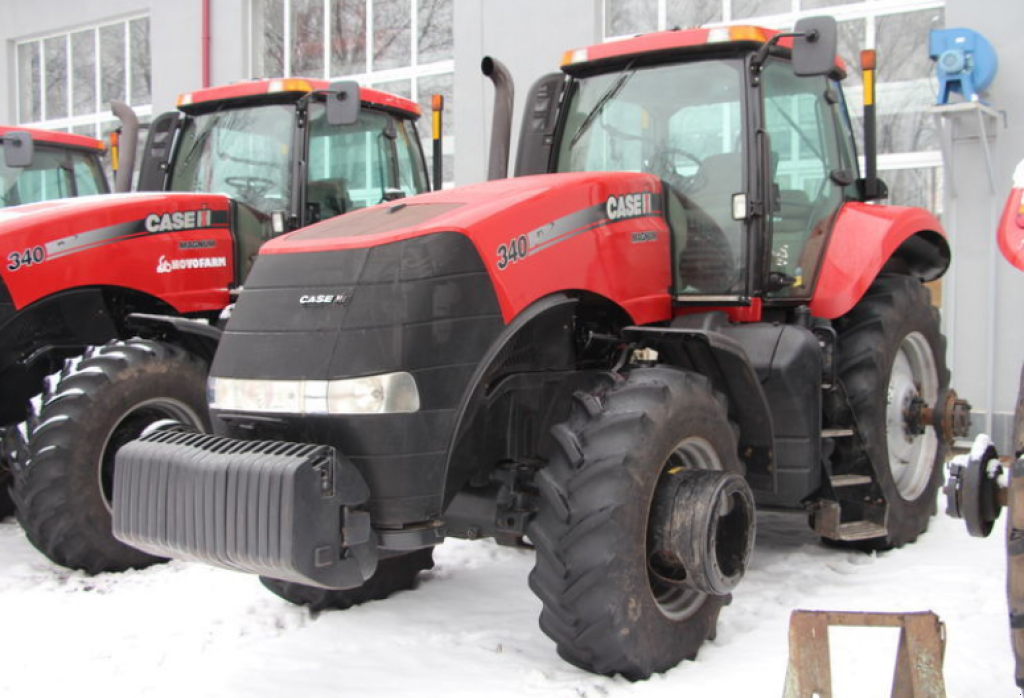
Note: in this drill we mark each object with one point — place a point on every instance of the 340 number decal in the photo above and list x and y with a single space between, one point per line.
515 250
26 258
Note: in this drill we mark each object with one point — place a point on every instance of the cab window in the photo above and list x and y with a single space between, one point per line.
48 177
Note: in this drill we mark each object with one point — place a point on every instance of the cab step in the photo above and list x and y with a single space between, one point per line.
835 433
828 523
851 480
861 530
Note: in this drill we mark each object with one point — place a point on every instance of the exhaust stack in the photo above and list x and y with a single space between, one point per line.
501 126
127 144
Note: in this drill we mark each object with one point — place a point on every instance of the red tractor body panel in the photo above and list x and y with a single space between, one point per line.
256 88
1011 229
600 232
175 246
863 239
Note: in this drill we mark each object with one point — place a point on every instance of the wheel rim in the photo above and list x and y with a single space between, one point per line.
913 378
675 602
133 423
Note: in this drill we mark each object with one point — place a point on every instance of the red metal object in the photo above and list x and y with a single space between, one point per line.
863 239
58 138
736 313
46 251
574 238
1011 229
255 88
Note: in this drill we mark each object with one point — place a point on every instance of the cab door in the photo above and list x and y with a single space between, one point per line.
812 171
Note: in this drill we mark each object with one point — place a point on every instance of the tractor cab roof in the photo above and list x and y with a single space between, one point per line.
660 45
73 140
281 89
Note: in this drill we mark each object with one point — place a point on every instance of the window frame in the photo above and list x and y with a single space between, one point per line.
99 115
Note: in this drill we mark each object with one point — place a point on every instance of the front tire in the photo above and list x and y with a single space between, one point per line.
393 574
12 446
604 602
891 353
64 490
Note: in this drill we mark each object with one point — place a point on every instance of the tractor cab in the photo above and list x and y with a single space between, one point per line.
756 158
40 165
290 152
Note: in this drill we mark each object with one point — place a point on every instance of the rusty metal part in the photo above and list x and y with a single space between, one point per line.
918 660
1015 565
973 492
951 417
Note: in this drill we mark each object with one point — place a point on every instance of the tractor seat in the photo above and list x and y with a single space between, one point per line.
720 177
330 196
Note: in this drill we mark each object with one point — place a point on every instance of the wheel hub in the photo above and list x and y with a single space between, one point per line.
701 532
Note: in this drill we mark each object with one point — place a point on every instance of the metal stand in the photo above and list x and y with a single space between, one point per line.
918 659
953 120
946 118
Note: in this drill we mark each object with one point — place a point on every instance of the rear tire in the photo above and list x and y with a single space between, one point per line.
64 489
890 349
393 574
603 604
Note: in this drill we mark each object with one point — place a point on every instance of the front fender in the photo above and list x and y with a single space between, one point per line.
864 240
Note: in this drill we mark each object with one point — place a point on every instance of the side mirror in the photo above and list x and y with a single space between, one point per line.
814 46
343 103
18 149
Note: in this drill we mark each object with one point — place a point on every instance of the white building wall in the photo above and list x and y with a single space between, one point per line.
984 294
529 37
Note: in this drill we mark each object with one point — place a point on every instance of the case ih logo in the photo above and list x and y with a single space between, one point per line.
324 299
629 206
179 220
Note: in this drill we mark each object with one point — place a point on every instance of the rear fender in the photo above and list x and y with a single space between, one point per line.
867 240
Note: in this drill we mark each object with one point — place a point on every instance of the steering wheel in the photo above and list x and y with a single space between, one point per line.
250 185
669 163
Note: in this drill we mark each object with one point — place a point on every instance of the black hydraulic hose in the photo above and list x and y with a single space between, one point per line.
501 126
127 143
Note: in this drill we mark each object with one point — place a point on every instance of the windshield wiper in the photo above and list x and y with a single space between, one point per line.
196 144
609 94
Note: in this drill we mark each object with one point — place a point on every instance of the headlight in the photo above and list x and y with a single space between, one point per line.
389 393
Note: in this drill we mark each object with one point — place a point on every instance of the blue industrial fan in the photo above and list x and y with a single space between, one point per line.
965 62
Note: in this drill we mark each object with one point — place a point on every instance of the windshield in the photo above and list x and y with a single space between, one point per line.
682 123
53 174
243 153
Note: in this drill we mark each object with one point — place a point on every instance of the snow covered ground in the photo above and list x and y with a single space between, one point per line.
471 628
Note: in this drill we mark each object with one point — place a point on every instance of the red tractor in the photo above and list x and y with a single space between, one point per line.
230 169
42 165
694 310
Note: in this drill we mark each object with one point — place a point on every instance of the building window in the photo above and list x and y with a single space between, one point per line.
401 46
65 82
908 141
